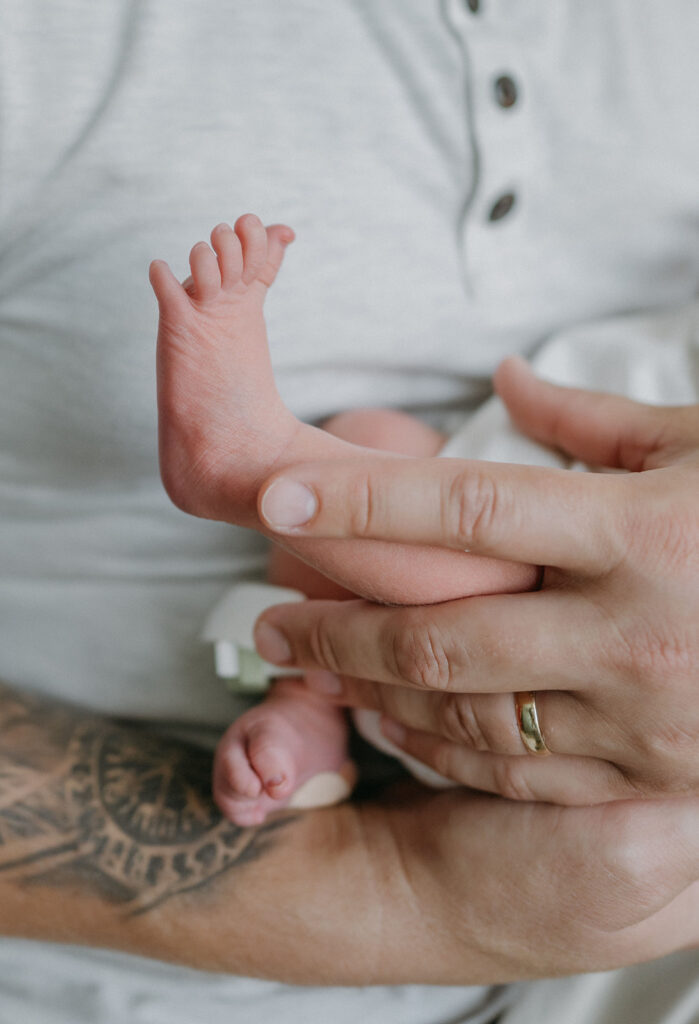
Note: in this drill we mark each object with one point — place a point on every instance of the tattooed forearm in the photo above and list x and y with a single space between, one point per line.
85 802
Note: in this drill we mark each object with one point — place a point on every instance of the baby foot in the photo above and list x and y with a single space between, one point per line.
273 752
223 429
221 422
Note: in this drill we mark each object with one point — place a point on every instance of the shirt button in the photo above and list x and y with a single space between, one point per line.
474 5
505 91
502 206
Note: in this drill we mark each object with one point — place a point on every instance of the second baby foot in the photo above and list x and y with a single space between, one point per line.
275 749
222 424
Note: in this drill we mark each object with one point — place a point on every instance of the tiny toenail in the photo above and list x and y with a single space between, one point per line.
271 644
324 682
287 504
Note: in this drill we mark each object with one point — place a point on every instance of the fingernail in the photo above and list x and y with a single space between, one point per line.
288 503
323 682
271 644
393 731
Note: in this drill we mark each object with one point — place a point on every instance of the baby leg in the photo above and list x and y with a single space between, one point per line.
223 427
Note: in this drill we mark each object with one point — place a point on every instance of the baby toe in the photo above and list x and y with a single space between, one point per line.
170 294
279 236
230 254
273 762
238 774
206 277
253 240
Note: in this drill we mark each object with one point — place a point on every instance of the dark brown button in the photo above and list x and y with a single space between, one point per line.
502 206
474 5
505 91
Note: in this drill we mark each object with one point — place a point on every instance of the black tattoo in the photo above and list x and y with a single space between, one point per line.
86 802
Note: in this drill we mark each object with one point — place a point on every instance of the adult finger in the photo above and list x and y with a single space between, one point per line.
597 428
474 645
478 721
523 513
559 779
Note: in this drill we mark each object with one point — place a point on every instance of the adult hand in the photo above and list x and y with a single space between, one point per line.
610 643
535 890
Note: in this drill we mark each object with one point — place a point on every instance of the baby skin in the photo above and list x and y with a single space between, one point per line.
223 429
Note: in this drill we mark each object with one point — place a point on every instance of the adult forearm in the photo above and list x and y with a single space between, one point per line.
109 837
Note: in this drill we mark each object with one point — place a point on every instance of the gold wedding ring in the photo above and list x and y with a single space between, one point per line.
528 723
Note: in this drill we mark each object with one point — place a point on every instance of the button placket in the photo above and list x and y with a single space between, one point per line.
494 230
501 104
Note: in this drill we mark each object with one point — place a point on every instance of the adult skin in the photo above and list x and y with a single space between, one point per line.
109 837
610 641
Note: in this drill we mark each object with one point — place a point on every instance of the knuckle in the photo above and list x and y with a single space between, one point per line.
657 656
472 507
462 722
323 644
660 529
668 755
676 740
510 778
418 657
